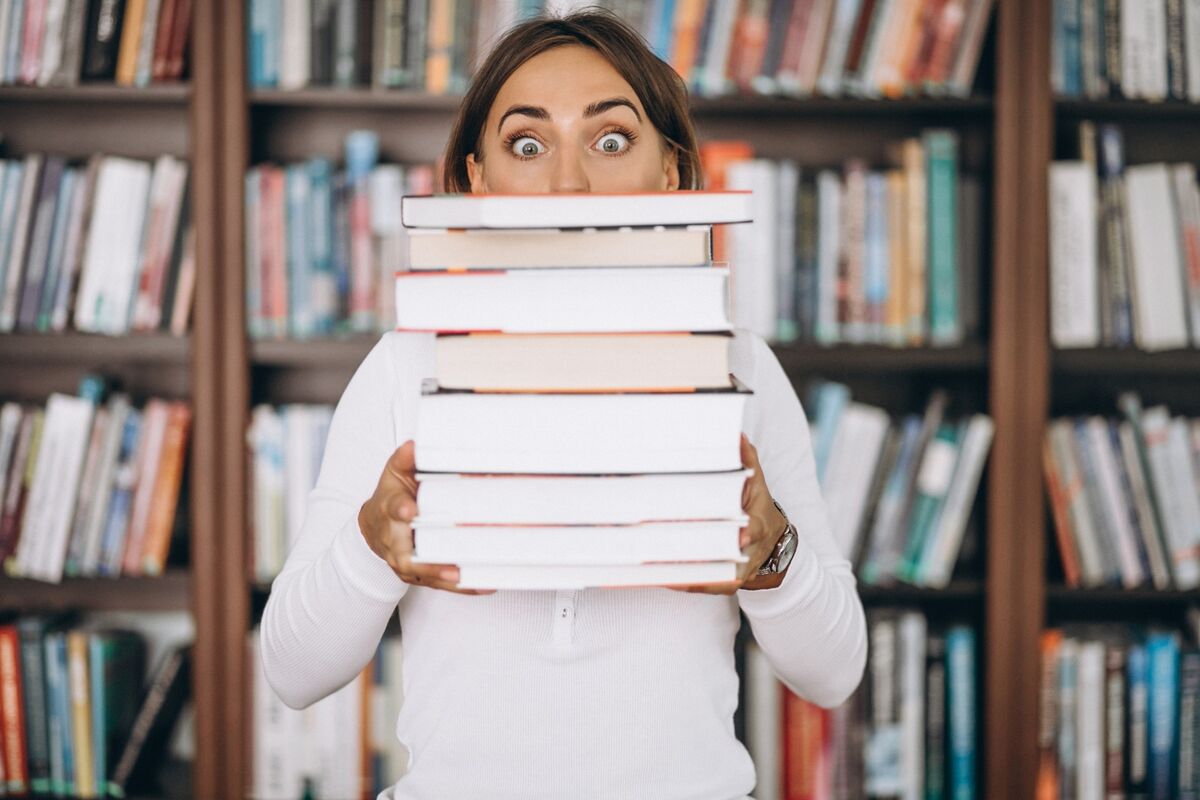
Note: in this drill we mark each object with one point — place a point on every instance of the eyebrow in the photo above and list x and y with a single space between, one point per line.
592 110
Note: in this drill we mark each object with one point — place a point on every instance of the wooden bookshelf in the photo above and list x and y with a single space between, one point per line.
1128 364
171 591
164 94
82 349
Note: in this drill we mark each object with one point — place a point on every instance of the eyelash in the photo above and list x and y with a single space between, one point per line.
514 136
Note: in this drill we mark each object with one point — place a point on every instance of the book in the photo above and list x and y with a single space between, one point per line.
582 362
565 300
580 433
583 210
465 499
574 577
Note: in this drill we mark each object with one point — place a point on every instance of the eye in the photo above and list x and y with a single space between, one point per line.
614 143
525 147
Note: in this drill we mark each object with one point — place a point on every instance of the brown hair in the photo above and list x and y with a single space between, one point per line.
662 92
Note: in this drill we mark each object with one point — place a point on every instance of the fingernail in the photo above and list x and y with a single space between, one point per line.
450 575
743 540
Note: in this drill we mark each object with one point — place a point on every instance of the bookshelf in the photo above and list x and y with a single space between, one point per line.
1009 135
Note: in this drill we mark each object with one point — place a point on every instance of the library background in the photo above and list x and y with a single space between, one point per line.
982 226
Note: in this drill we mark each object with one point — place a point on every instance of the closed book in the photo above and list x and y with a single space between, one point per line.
525 249
116 519
1090 720
144 60
1189 724
162 40
565 300
13 737
945 318
582 362
16 488
945 540
570 577
459 499
1137 763
78 674
165 494
641 543
1046 785
178 51
116 659
1115 712
962 694
1159 311
1162 651
1187 204
169 689
19 240
131 37
150 452
1074 273
933 482
102 37
576 210
39 242
936 764
580 434
849 474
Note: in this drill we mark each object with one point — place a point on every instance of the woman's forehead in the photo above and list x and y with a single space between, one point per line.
564 81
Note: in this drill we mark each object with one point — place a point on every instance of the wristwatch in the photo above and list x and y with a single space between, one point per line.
771 573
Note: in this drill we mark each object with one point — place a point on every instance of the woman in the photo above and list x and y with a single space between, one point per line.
600 693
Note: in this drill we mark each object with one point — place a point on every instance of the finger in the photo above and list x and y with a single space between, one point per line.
438 576
400 505
749 454
402 464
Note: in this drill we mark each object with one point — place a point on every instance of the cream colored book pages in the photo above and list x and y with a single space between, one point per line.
1074 269
1157 266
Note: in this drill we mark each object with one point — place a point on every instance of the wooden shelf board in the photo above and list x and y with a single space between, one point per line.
155 94
1126 109
30 349
316 353
1112 361
169 592
965 591
1066 597
366 98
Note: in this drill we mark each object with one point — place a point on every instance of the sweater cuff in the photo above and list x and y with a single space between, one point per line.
793 592
362 569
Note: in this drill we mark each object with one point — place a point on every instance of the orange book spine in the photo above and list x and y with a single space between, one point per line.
715 158
805 755
131 33
896 311
1047 770
689 16
1062 518
166 489
179 37
441 35
81 713
12 721
150 450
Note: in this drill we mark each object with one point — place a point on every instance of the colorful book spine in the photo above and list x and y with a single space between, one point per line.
960 675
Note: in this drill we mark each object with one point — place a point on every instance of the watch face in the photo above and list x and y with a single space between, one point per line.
787 550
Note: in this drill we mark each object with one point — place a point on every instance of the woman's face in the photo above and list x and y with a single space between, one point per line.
566 121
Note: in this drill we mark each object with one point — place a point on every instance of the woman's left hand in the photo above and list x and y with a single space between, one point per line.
759 536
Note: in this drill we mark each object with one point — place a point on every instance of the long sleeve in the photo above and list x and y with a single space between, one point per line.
811 627
333 598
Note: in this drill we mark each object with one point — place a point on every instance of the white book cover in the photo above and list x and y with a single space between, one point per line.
10 425
1143 507
113 243
267 444
18 241
1158 289
912 636
1074 269
1176 506
565 300
1186 479
1133 49
43 543
276 771
642 543
846 484
542 577
294 46
784 290
11 173
829 223
460 499
1191 47
947 537
1090 723
1154 66
53 22
764 723
577 210
1108 472
389 239
753 248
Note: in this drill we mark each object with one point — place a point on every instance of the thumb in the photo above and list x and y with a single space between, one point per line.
402 463
749 454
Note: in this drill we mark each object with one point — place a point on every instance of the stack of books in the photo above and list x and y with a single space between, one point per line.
582 428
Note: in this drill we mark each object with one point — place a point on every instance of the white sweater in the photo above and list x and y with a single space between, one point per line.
625 693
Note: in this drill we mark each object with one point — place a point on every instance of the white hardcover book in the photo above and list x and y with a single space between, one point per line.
1090 722
764 723
53 23
544 577
43 542
276 728
833 64
829 225
267 443
912 636
1074 270
642 543
565 300
389 239
1186 479
458 499
294 47
1187 202
946 541
1108 473
580 434
1176 506
846 484
18 241
577 209
10 425
1158 289
753 248
1154 66
1133 49
72 248
118 411
788 190
1191 47
1148 522
113 243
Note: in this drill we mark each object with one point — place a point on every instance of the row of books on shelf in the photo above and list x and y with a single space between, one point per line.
1119 712
90 485
899 492
103 247
910 730
1124 248
1125 497
342 747
796 47
81 715
890 256
1137 49
66 42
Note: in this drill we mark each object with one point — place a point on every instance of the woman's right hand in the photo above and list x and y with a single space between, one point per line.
385 521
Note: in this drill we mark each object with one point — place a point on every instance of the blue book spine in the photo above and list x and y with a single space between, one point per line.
832 399
1072 48
1137 748
273 20
323 290
99 710
255 324
10 190
256 43
941 167
16 30
1068 683
58 237
1163 653
112 540
298 266
341 245
56 715
64 705
960 678
662 41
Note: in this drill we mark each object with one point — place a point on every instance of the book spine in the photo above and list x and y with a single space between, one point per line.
960 676
144 63
1112 47
1115 712
166 490
1163 655
1189 725
12 716
1048 723
935 718
1090 720
178 51
81 721
33 675
1068 661
1176 69
1137 763
131 28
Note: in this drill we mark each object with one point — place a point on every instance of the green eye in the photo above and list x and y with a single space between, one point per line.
526 147
613 142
